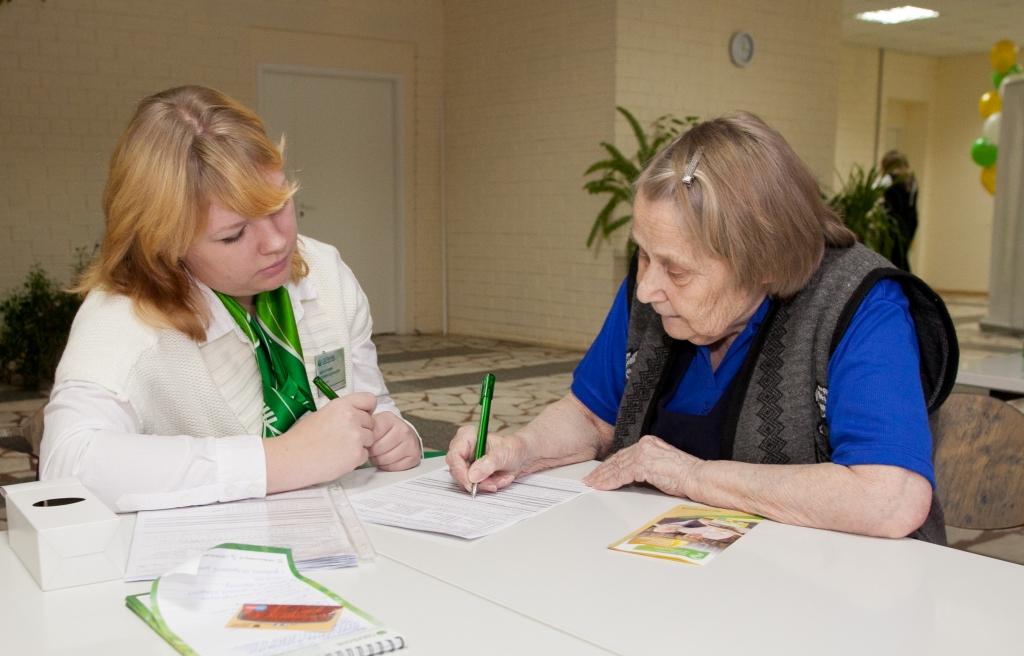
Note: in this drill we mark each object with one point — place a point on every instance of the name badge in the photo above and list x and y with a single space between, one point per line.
330 366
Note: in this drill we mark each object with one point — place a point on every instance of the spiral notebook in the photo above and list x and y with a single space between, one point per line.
248 600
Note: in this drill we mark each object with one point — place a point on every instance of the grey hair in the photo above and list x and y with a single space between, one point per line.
752 202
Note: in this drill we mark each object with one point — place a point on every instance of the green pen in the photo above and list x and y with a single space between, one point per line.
325 388
486 394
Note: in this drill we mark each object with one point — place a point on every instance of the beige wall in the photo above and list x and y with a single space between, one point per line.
958 225
932 103
673 57
907 80
524 92
72 71
906 114
855 123
529 93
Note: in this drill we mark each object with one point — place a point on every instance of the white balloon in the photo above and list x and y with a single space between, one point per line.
991 128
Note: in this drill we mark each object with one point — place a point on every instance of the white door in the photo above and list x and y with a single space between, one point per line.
342 144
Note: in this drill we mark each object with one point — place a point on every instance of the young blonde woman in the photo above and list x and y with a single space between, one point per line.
187 376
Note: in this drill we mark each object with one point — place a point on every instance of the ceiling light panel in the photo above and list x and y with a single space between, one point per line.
896 15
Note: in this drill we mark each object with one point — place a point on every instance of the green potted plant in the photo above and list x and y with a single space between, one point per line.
617 173
860 203
34 324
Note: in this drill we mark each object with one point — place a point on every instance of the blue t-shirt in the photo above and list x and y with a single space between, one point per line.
876 411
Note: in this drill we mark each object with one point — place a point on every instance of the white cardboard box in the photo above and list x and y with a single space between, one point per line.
63 534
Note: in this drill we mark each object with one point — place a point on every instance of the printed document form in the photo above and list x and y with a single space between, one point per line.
435 502
317 524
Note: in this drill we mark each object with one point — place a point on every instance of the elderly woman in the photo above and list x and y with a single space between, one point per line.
186 378
755 358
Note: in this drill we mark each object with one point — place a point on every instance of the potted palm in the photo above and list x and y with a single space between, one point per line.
616 173
860 203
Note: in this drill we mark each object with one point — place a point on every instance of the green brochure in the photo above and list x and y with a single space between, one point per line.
243 599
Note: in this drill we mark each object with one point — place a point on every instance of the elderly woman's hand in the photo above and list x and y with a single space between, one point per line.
651 460
395 445
503 462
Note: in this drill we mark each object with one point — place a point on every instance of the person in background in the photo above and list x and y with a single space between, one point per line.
901 202
756 357
187 375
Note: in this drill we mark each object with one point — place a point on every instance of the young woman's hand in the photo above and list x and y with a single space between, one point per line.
395 444
322 445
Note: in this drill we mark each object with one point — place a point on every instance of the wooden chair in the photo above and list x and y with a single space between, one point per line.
979 462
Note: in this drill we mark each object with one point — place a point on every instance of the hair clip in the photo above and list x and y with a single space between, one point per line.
691 168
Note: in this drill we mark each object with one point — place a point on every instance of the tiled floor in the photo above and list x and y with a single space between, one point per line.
436 382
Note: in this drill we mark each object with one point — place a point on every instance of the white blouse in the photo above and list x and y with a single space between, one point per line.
93 428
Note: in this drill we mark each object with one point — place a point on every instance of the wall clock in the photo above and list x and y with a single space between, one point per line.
741 48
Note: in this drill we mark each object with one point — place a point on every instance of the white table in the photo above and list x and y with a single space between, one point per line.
780 590
549 585
1003 372
434 617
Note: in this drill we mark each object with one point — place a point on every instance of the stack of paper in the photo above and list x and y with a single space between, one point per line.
306 521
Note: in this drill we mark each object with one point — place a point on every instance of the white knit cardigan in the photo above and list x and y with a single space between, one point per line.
177 388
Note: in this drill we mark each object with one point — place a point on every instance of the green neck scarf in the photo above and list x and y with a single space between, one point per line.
275 341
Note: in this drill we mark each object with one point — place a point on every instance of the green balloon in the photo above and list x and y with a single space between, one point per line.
997 77
983 152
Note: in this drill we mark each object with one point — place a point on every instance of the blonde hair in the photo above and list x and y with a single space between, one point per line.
752 202
184 148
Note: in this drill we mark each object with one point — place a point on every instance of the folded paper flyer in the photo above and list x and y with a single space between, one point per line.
688 534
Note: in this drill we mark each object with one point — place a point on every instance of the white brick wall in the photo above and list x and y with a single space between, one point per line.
525 91
673 57
71 72
529 93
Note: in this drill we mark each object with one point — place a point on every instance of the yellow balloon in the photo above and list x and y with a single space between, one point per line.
1003 55
989 104
988 179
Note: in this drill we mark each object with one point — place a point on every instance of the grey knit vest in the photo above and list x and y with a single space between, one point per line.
778 413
